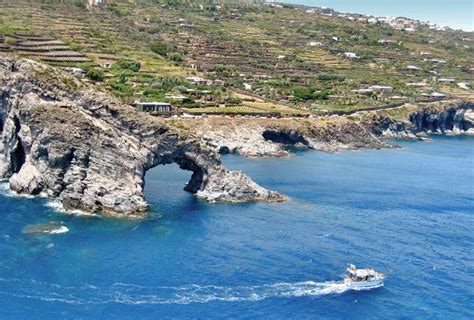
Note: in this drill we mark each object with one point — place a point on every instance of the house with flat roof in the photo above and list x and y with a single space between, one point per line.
382 89
197 80
351 55
160 107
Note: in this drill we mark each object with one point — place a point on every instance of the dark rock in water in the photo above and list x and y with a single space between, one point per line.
64 139
52 227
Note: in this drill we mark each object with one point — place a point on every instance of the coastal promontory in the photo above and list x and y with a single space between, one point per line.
63 138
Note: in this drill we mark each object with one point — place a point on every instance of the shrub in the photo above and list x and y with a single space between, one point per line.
129 65
330 77
95 74
175 56
10 41
80 4
303 93
116 10
160 49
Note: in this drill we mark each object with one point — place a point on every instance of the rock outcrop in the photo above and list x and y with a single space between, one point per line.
62 138
409 122
272 137
369 129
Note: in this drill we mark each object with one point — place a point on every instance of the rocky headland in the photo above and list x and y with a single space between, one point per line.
62 138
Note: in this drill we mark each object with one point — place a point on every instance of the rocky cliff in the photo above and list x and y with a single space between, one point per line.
410 121
62 138
272 137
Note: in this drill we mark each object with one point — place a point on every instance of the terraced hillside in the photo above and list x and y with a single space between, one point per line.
290 57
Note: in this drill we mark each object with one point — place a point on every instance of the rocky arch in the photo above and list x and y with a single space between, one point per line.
92 153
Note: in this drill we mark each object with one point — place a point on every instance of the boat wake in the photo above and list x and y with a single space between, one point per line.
130 294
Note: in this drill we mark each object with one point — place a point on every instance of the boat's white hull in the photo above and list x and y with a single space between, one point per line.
363 285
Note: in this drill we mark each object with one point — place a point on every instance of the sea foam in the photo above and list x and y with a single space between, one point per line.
131 294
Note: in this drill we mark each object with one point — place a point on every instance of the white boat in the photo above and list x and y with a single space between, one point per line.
363 279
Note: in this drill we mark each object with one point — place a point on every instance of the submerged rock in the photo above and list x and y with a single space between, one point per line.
52 227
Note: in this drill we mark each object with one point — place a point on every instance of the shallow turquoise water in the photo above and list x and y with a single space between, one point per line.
408 213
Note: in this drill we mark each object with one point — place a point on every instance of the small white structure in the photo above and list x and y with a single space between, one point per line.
93 3
315 44
382 89
351 55
262 76
417 84
412 68
197 80
218 82
446 80
78 72
175 97
385 41
434 95
438 60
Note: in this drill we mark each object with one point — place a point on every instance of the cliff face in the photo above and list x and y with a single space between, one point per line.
457 118
452 119
61 138
271 137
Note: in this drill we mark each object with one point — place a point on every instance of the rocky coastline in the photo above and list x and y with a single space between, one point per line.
65 139
365 130
62 138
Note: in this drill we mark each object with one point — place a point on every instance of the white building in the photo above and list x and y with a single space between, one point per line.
351 55
197 80
412 68
446 80
382 89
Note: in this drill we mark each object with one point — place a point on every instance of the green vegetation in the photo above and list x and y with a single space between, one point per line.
145 50
160 49
131 65
95 74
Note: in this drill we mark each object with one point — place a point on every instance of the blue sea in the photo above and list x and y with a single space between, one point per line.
408 213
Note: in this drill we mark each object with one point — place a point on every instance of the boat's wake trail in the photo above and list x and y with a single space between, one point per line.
132 294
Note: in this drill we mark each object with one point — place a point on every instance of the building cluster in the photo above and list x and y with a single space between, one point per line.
205 82
400 23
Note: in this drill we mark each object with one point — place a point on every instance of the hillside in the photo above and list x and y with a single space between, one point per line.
246 58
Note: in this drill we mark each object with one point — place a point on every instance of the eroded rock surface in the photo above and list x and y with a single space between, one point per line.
272 137
64 139
411 122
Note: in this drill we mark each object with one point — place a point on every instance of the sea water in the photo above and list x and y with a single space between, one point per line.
408 213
